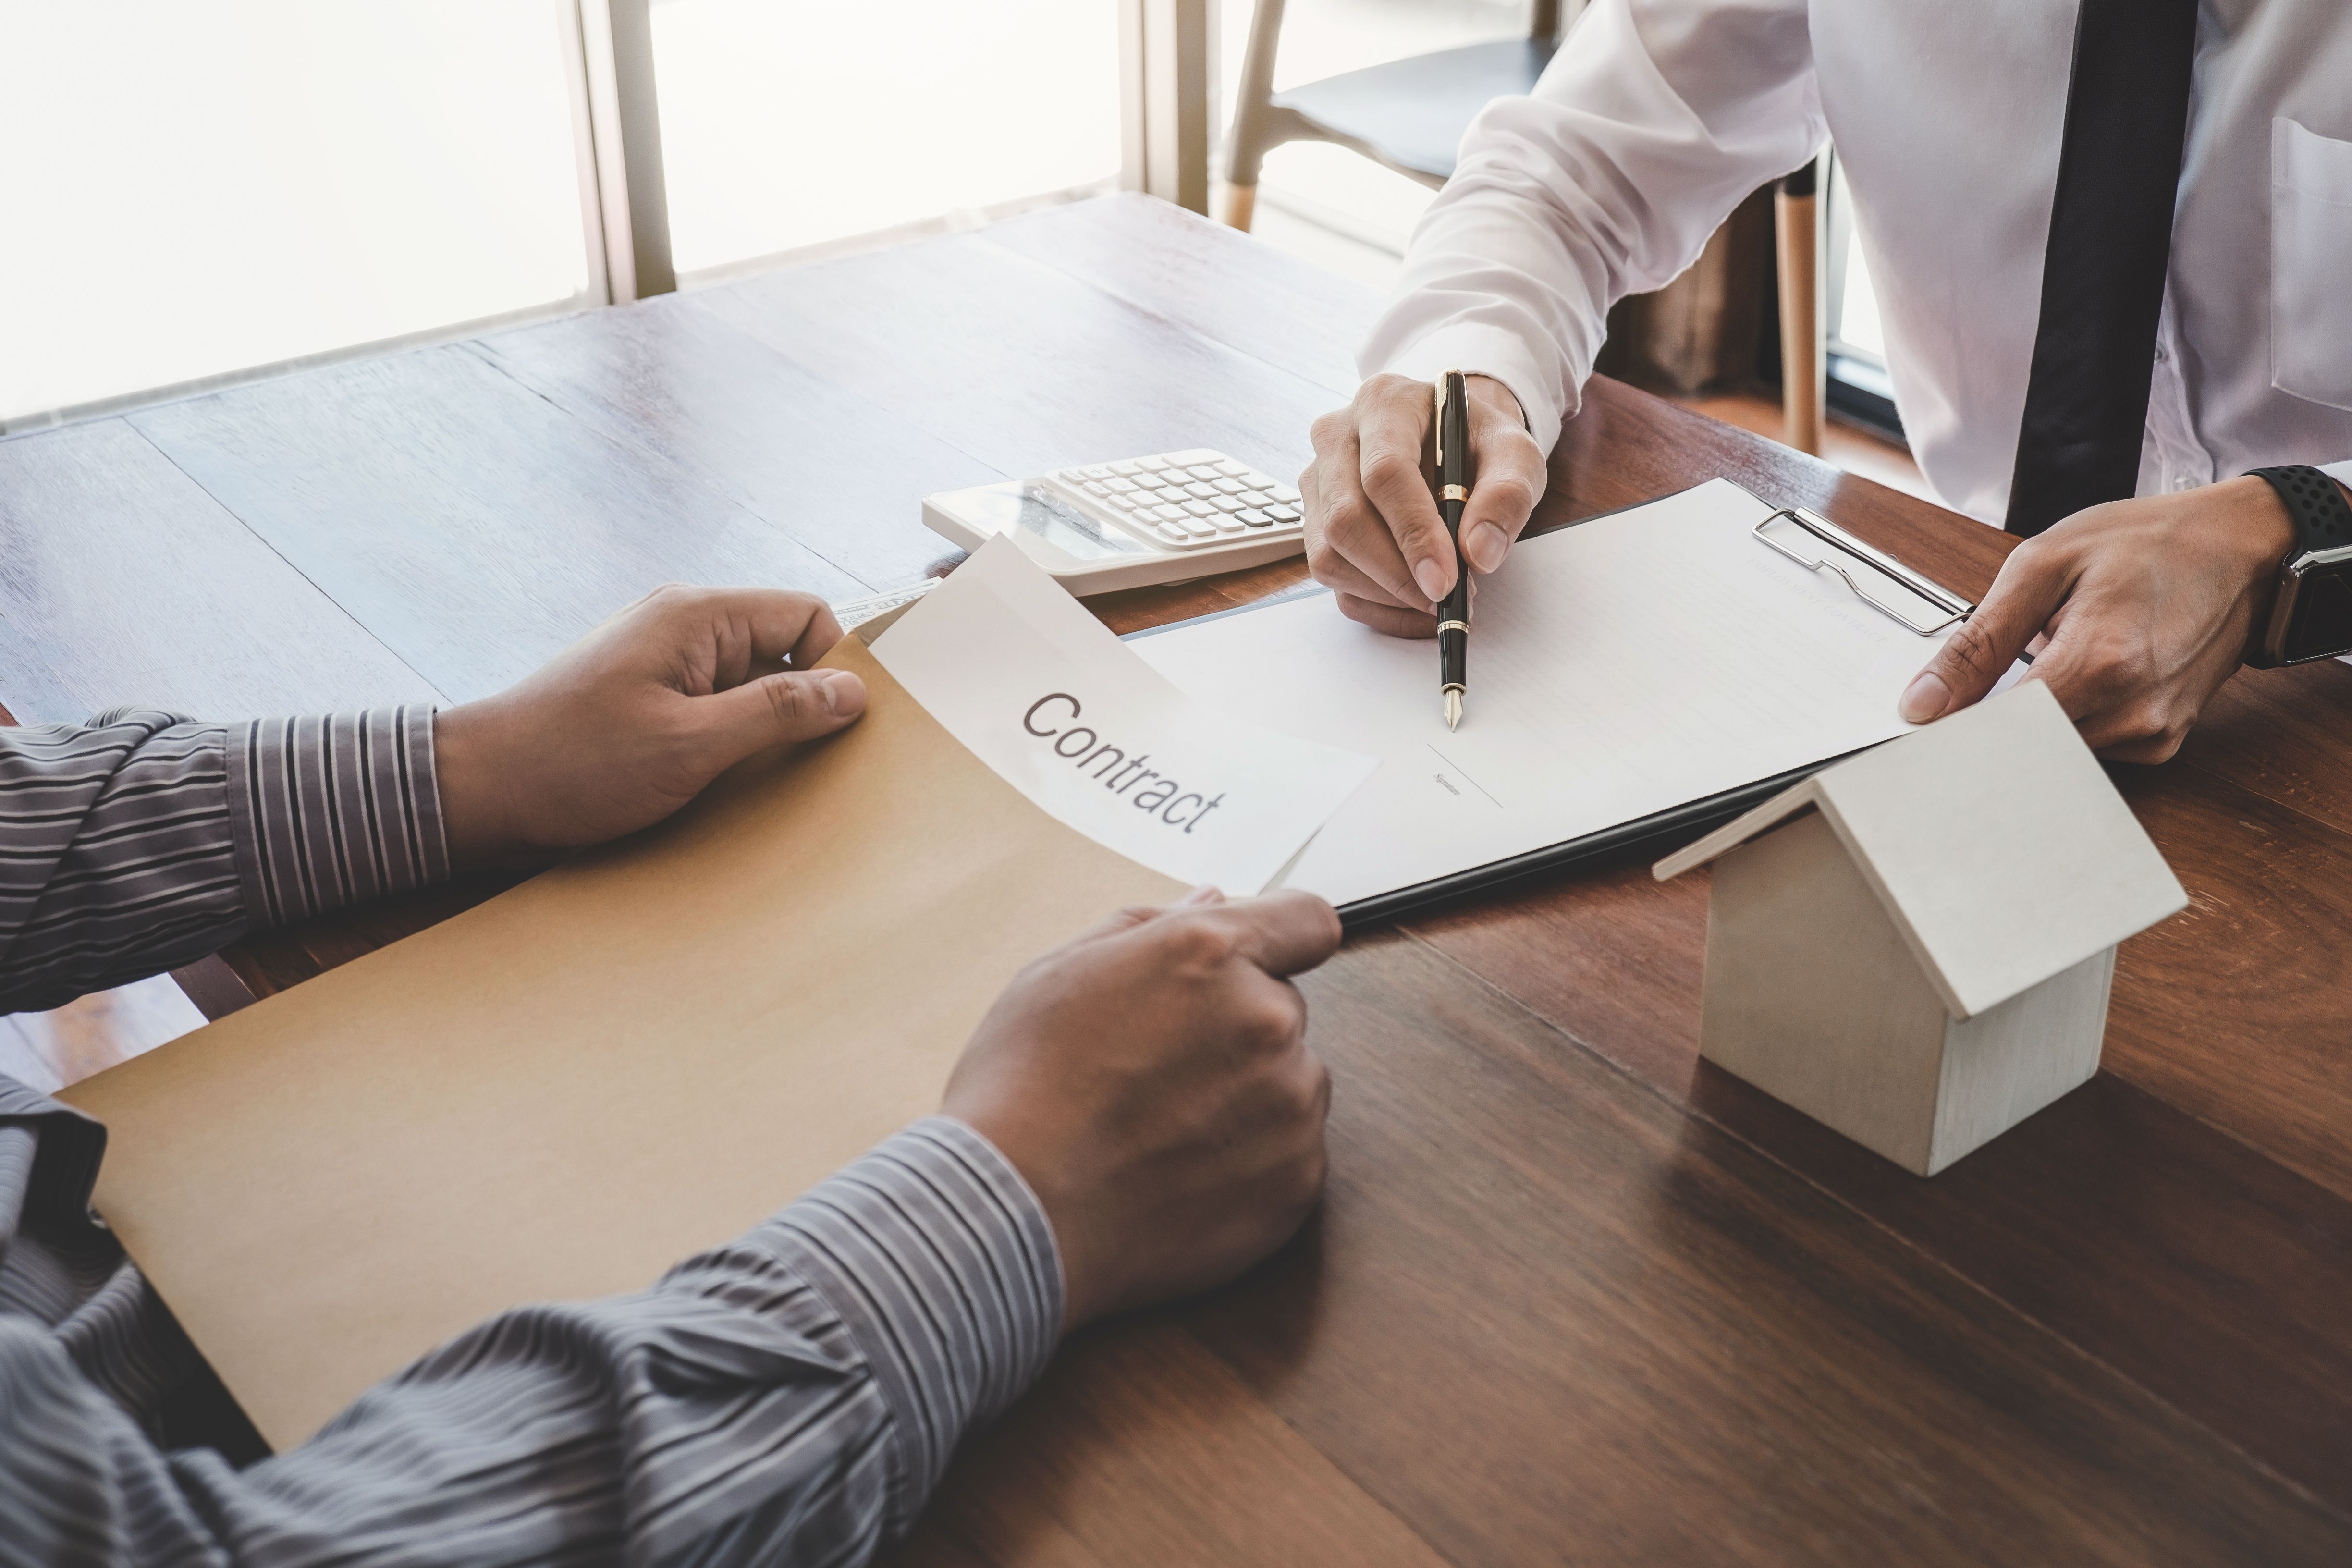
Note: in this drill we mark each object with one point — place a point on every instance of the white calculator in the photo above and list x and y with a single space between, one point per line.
1122 525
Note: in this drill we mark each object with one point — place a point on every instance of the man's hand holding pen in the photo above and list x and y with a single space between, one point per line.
1374 534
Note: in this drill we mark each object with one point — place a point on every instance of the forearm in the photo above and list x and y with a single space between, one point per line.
143 840
790 1398
1655 120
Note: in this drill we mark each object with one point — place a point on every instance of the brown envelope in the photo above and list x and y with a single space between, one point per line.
561 1092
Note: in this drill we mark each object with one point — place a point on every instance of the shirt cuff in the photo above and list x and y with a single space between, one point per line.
332 810
1476 349
942 1265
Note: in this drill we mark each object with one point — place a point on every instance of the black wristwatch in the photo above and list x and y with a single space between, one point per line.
2312 616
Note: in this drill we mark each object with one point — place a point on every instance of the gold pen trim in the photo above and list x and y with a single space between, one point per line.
1437 416
1462 627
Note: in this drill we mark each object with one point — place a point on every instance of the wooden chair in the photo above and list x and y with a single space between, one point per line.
1409 115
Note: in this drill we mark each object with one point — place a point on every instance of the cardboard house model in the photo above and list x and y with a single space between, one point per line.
1915 945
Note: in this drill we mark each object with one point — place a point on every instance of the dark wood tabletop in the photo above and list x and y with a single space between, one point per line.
1573 1296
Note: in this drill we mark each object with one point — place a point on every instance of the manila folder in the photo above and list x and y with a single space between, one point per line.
561 1092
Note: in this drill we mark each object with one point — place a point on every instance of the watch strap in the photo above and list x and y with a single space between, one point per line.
2323 519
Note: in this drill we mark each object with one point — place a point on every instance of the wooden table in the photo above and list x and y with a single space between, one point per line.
1572 1296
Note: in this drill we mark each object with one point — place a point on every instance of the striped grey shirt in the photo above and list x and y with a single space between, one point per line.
792 1397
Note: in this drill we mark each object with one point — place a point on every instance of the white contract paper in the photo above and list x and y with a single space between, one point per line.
1618 669
1036 688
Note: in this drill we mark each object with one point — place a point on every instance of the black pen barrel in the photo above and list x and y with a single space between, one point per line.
1453 493
1454 610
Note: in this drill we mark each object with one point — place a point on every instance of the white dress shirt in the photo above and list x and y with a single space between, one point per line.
1658 116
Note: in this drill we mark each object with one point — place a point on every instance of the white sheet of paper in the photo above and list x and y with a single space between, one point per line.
1064 711
1618 669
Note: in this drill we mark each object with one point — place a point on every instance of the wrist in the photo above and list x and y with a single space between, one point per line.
1502 395
2265 528
1027 1145
472 796
2264 535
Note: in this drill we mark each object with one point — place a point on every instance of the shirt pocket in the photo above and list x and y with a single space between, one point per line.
2311 265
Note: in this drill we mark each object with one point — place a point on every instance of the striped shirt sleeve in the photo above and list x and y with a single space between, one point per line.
333 810
788 1399
143 840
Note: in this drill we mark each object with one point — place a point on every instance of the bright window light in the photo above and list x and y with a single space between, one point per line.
790 122
196 189
1854 327
1858 325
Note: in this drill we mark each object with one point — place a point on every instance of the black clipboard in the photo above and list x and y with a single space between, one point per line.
1661 832
1649 837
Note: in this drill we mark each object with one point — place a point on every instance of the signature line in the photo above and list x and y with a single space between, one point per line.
1464 778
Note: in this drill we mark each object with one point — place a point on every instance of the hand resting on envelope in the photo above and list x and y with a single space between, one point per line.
1149 1078
630 723
1152 1082
789 1396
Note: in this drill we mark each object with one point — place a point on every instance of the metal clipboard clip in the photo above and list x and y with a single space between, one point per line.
1955 608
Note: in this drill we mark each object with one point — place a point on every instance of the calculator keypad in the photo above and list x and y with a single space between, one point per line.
1183 500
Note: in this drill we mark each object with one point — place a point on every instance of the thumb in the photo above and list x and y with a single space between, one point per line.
1286 932
779 710
1979 653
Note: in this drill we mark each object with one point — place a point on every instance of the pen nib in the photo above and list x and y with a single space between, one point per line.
1454 709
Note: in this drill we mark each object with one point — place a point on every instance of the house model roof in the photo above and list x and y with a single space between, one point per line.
1994 840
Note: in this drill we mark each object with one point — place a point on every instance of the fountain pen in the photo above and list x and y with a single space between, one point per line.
1453 489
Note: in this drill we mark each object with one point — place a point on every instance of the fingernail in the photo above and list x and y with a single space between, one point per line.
843 692
1206 893
1486 546
1924 699
1431 580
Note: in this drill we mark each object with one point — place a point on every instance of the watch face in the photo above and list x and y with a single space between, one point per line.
2322 625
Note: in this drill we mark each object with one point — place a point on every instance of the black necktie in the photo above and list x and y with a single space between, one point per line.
2103 275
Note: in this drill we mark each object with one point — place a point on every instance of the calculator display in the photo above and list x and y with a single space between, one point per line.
1001 508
